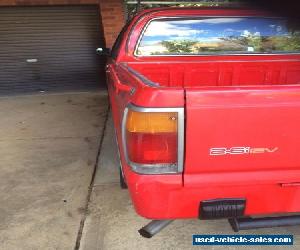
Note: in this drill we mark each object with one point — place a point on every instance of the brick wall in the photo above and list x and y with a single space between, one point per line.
113 18
112 13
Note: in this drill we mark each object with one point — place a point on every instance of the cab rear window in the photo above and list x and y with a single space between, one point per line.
219 35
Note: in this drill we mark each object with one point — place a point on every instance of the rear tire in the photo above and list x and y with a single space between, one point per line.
123 183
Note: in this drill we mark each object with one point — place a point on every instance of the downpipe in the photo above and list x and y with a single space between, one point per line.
266 222
153 228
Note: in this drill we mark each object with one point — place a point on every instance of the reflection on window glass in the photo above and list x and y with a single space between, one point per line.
220 35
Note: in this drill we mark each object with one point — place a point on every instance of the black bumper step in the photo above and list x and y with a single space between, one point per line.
266 222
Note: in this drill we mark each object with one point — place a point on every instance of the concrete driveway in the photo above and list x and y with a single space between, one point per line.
112 223
49 147
48 150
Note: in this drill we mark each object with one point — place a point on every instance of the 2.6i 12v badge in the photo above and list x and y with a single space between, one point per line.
241 151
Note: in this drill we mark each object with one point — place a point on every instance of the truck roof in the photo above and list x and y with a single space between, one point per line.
221 10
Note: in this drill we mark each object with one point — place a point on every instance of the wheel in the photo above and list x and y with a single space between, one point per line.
123 183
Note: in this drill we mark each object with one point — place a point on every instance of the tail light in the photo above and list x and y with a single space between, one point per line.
153 139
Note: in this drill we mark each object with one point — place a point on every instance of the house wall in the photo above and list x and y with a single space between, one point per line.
111 12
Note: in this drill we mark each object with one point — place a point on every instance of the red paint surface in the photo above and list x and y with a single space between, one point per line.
230 101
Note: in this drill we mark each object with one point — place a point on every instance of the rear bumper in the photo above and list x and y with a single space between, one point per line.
166 197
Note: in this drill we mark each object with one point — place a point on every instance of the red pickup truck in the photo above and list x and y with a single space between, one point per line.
206 108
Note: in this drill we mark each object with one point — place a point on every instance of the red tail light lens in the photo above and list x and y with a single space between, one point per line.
150 148
152 140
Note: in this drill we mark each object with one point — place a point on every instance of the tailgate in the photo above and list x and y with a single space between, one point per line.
242 135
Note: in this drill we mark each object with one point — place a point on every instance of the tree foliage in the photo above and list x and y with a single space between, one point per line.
180 46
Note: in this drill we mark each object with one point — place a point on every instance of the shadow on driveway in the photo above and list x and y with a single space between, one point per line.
112 223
